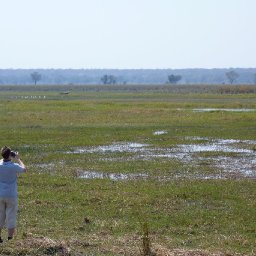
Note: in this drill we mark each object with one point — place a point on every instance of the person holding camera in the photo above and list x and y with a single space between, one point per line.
8 189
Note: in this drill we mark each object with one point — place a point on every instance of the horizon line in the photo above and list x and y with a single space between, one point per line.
69 68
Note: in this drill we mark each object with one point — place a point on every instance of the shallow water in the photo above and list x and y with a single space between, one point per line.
159 132
241 159
111 176
117 147
223 109
212 147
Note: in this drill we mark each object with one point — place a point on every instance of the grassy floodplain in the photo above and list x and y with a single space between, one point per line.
107 164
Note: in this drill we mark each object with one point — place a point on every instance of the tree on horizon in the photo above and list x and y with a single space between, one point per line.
174 79
108 79
232 76
35 76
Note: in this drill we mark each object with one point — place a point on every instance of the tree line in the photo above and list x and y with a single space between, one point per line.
139 76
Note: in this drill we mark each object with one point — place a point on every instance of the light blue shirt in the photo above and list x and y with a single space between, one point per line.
8 178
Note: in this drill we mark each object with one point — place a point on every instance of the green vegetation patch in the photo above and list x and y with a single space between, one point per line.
181 198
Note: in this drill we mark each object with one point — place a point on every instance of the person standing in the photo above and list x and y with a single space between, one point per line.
8 190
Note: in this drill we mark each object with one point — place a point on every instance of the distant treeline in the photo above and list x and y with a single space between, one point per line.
126 76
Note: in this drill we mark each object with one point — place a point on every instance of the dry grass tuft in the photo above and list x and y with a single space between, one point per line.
162 251
44 244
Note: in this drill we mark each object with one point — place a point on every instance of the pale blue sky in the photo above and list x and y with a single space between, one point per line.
127 33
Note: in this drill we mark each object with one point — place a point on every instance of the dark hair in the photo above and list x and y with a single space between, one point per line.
5 152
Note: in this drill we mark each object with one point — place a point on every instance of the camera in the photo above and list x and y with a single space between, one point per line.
13 154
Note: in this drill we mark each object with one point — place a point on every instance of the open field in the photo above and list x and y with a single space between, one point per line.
109 164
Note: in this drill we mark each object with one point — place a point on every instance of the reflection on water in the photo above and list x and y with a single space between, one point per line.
111 176
212 147
223 109
117 147
233 156
159 132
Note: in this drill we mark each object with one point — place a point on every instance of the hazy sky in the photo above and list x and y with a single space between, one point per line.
127 33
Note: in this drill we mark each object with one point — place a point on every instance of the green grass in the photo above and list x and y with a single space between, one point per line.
58 210
212 215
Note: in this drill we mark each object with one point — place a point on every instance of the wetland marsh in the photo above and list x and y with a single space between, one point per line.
104 161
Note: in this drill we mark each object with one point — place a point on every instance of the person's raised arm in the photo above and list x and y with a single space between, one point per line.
20 162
